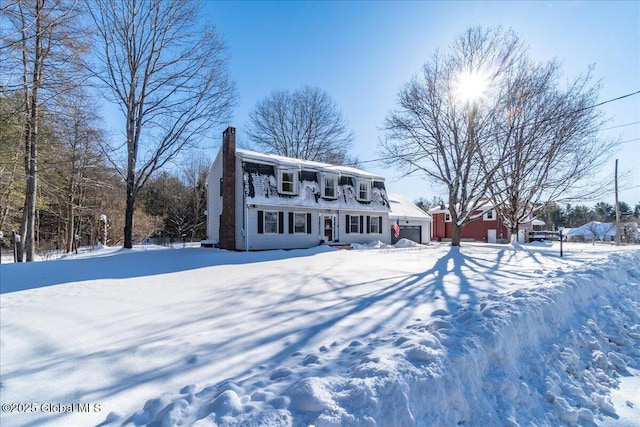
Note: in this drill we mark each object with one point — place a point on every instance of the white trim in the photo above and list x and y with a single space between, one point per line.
377 223
304 222
294 181
367 183
246 225
485 216
358 231
264 222
334 226
323 185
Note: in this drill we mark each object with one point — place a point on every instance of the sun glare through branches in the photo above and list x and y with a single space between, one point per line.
471 85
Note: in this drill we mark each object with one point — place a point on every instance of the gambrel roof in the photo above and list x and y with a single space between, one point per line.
290 162
260 176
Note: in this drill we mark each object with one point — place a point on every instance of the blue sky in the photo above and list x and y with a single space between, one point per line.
362 52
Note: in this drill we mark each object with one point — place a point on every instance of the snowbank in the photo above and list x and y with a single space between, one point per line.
377 244
419 336
544 355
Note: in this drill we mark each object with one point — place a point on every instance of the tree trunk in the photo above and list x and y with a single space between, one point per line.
32 181
128 218
31 140
30 203
456 234
513 235
70 227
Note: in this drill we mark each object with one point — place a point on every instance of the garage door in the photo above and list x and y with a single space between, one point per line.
411 232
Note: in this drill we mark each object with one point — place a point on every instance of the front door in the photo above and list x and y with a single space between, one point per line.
491 236
328 228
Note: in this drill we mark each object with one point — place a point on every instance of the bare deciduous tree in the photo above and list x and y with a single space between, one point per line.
306 124
11 155
443 122
168 76
194 175
81 161
44 41
599 230
550 139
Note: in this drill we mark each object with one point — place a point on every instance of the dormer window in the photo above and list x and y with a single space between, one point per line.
329 186
364 190
288 184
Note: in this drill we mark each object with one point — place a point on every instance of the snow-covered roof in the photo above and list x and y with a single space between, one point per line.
445 209
403 208
594 229
265 193
261 184
289 162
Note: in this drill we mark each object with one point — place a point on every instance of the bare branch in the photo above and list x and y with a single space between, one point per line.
305 124
168 76
435 131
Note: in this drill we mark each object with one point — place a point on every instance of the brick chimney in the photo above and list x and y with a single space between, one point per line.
228 217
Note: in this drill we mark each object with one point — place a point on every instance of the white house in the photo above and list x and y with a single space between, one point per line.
261 201
414 223
604 232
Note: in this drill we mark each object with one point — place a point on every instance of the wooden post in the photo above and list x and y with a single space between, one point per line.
103 229
617 207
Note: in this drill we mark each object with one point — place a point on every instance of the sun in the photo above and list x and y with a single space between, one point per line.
471 85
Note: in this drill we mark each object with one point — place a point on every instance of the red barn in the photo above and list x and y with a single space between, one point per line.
485 227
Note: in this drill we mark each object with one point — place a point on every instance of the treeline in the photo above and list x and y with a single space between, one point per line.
564 215
556 215
77 184
161 65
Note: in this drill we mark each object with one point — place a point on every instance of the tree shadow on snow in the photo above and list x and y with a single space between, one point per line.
298 318
127 263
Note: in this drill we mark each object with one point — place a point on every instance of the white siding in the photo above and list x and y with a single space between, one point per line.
425 227
364 236
214 199
246 214
284 240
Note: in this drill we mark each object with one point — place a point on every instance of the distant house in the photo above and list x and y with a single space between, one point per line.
604 232
414 223
259 201
485 227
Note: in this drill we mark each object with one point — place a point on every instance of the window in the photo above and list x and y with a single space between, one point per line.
288 182
300 222
329 187
270 222
447 217
489 215
364 188
375 224
354 224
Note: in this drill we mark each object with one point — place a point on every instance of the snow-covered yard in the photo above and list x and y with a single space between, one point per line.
488 335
